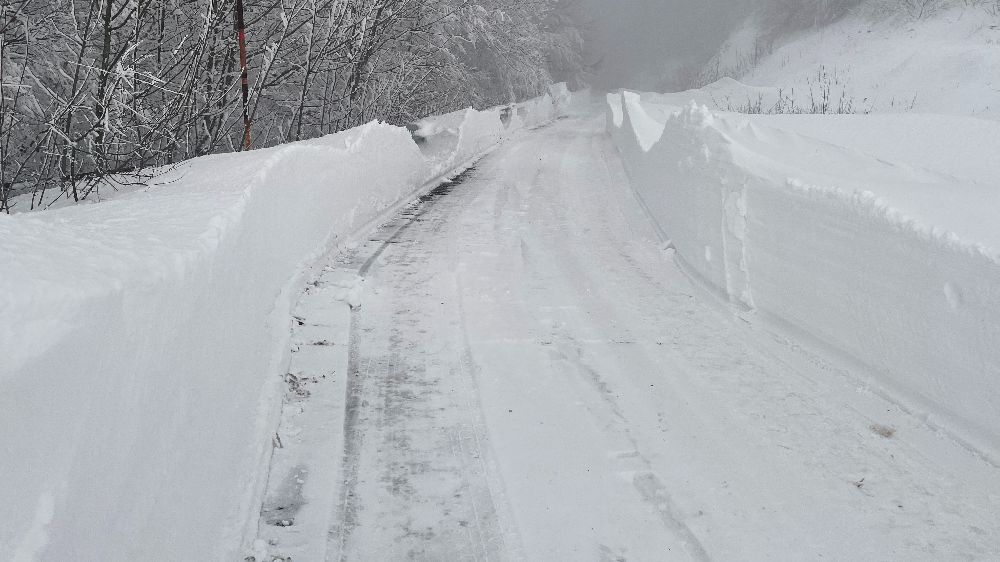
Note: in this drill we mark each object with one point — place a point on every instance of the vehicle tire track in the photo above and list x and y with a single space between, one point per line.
416 482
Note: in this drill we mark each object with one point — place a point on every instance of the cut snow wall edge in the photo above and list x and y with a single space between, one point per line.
907 303
140 426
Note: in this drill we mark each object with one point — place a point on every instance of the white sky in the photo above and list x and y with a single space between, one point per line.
635 38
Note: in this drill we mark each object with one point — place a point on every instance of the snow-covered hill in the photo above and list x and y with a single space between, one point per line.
945 62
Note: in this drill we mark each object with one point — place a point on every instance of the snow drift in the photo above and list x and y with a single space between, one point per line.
883 253
140 338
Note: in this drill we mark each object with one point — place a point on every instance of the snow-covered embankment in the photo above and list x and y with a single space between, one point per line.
884 254
141 339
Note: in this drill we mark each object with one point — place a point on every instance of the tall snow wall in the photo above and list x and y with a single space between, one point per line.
909 305
143 339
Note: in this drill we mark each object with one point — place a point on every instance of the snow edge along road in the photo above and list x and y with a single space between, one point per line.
911 307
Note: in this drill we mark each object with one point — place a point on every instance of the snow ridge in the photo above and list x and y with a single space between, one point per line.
856 253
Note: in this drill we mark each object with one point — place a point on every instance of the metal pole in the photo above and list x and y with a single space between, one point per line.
241 37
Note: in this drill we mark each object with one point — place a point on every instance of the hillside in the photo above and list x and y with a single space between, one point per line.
945 62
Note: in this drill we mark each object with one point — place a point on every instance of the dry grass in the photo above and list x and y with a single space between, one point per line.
883 430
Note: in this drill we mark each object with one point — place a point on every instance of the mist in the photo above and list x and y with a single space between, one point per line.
637 42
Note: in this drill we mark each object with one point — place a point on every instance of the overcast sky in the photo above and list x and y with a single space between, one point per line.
636 37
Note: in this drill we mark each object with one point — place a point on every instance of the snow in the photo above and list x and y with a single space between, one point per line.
534 378
946 63
870 236
614 105
687 334
562 98
313 421
305 469
647 131
534 113
141 337
449 140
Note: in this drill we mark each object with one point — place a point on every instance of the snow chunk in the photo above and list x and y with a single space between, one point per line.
647 130
697 115
344 286
615 105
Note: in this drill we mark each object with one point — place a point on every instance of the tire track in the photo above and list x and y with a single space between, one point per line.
416 485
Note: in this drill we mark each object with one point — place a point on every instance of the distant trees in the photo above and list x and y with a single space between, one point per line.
96 91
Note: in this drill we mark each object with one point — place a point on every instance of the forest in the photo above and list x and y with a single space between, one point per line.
95 93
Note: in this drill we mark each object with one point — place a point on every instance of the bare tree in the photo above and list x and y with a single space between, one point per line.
96 91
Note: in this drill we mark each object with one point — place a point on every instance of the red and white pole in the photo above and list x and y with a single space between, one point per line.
241 37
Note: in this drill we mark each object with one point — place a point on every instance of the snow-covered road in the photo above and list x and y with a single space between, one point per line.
530 377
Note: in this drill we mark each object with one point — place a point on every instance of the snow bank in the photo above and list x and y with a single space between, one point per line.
140 338
480 130
535 113
647 131
136 396
557 101
561 97
614 114
890 264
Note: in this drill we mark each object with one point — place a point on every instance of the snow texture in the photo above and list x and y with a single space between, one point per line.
946 63
869 236
531 377
140 338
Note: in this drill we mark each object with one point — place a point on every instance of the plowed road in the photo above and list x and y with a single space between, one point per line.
530 377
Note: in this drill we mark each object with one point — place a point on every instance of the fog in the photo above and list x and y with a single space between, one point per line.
636 41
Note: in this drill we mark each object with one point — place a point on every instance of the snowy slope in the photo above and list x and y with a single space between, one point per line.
142 337
947 62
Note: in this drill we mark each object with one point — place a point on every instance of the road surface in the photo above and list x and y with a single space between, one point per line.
530 377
